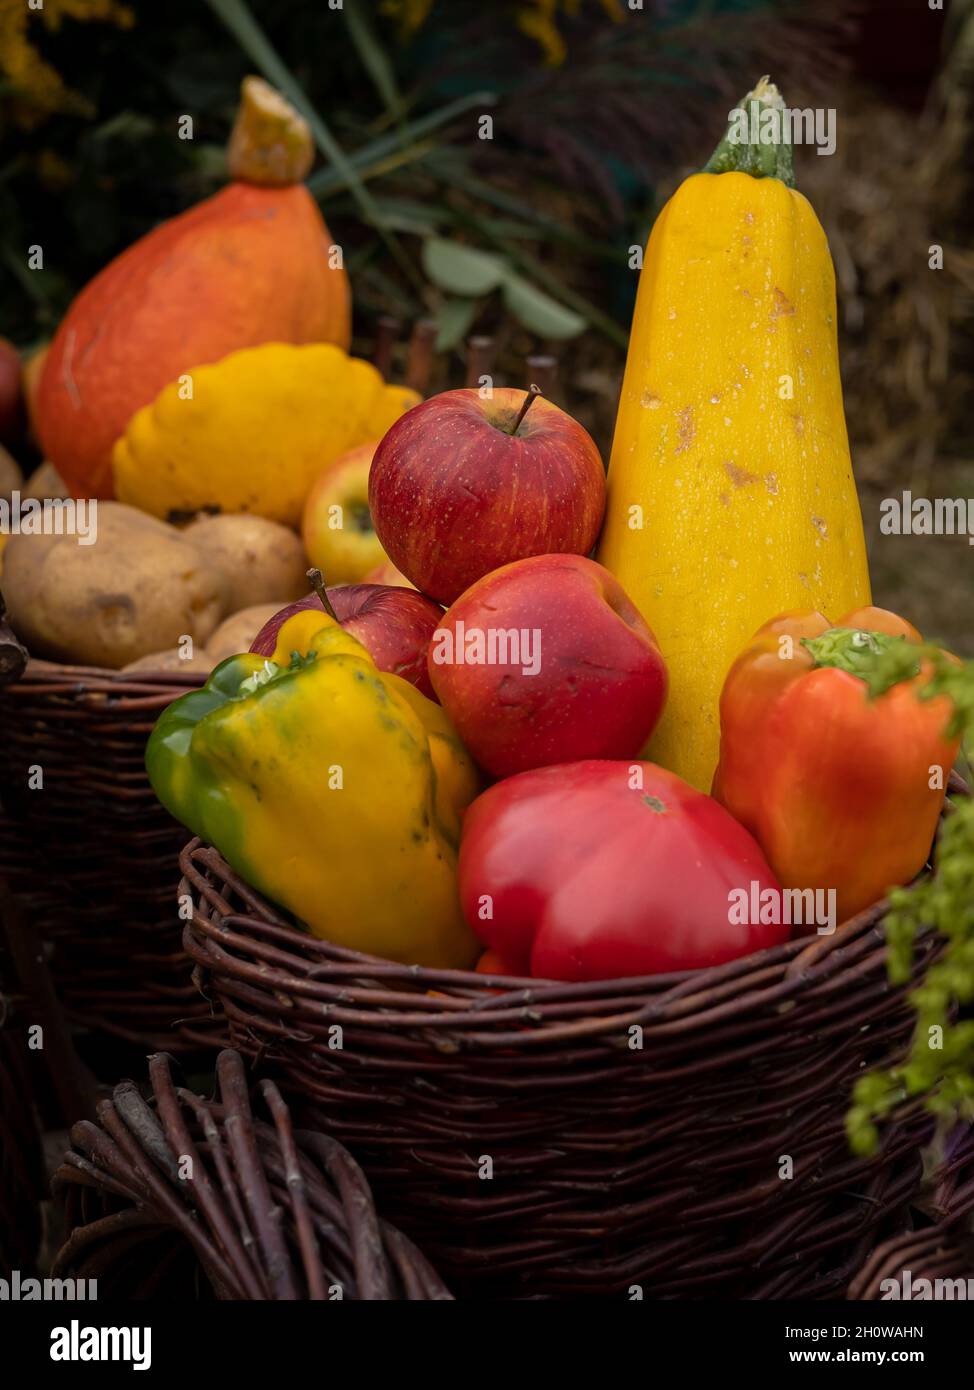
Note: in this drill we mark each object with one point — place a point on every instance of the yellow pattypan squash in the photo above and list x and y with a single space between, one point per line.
252 432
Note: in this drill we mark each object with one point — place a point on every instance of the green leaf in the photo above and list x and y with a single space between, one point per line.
374 58
408 215
326 181
943 902
454 319
537 270
547 226
462 269
538 311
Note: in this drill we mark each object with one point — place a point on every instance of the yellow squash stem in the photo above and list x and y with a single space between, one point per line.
731 495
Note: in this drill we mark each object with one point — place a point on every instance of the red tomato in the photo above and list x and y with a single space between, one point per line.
601 869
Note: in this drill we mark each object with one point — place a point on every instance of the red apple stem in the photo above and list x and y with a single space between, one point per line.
533 393
318 584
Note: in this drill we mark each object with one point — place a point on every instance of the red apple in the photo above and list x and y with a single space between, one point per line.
394 625
546 660
386 573
460 485
11 395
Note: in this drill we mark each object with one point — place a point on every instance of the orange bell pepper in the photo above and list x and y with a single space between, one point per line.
829 757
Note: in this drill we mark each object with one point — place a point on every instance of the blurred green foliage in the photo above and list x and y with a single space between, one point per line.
592 104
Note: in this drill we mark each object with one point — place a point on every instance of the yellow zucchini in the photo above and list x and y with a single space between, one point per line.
731 495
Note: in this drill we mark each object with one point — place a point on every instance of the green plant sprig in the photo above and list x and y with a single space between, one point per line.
939 1067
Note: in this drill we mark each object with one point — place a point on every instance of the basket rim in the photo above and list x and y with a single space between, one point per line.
42 677
312 978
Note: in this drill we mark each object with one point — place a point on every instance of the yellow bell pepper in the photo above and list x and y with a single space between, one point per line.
334 789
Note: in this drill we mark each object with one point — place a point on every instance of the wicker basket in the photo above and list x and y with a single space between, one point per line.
21 1157
939 1249
563 1139
940 1252
265 1212
21 1162
91 855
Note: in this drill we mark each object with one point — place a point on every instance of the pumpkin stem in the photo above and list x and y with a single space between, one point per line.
757 140
270 144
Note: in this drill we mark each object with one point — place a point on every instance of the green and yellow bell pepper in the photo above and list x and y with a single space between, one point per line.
333 788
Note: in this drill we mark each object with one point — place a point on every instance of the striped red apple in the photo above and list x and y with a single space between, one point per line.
463 483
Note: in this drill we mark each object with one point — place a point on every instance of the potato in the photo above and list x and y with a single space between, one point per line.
263 561
137 589
45 481
172 660
236 633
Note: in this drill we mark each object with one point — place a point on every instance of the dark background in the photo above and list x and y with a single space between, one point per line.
598 113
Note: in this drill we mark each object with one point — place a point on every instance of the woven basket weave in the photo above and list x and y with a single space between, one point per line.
941 1249
184 1198
21 1159
940 1252
91 854
557 1138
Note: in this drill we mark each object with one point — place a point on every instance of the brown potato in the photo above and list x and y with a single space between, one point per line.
172 660
45 481
137 589
263 561
236 633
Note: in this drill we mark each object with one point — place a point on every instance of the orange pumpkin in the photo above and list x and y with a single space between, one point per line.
247 266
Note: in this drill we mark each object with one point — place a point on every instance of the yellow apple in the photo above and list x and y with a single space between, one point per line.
336 524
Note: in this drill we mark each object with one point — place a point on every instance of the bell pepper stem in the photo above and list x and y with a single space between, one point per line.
756 141
317 581
876 658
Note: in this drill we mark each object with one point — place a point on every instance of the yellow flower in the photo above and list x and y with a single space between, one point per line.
538 19
535 18
36 89
410 15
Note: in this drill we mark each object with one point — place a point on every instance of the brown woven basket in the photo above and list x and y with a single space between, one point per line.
554 1138
939 1250
91 855
21 1157
184 1198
